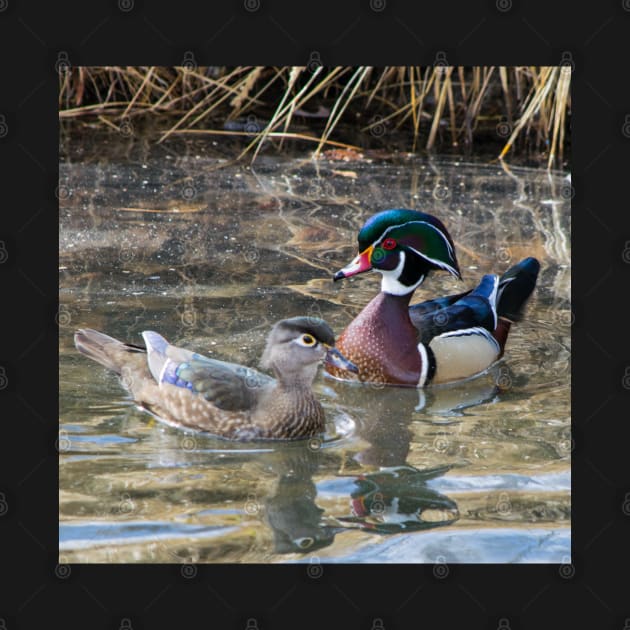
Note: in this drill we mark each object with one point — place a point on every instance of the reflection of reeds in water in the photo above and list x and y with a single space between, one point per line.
522 106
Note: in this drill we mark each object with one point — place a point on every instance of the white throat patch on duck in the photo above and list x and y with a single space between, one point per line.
395 280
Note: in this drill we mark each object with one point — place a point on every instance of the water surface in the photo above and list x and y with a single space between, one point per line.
211 254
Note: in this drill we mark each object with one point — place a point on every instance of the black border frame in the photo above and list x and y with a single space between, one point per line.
587 592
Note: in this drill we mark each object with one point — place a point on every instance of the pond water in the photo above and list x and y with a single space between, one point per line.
176 238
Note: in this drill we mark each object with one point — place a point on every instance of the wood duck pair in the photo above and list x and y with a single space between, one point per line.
444 339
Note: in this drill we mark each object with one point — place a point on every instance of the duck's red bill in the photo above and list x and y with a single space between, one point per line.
360 264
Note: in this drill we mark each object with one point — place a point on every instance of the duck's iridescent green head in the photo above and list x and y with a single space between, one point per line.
403 245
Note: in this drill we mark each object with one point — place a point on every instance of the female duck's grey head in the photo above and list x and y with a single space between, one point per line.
296 343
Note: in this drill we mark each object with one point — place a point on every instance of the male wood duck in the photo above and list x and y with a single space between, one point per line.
189 390
442 340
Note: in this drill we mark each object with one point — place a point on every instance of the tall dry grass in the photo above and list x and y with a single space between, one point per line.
435 106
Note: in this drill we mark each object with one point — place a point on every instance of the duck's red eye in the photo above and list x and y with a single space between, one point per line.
389 243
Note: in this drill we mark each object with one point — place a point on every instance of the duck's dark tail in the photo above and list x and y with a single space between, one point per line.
104 349
515 287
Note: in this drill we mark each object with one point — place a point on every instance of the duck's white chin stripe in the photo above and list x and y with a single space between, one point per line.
393 287
390 283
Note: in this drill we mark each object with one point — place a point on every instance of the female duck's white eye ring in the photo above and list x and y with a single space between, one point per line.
307 340
305 542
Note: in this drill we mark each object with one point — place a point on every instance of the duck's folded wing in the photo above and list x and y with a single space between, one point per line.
228 386
515 287
473 310
418 311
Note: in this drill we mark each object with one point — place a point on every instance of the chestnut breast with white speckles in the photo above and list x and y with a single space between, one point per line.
381 341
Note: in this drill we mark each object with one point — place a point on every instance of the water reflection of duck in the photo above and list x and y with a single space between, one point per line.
190 390
390 496
386 502
291 512
398 499
442 340
383 415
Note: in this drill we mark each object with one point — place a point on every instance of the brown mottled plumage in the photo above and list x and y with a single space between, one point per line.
189 390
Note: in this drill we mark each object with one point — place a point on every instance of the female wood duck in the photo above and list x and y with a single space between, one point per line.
438 341
189 390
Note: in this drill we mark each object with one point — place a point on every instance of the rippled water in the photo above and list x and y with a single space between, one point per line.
211 254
